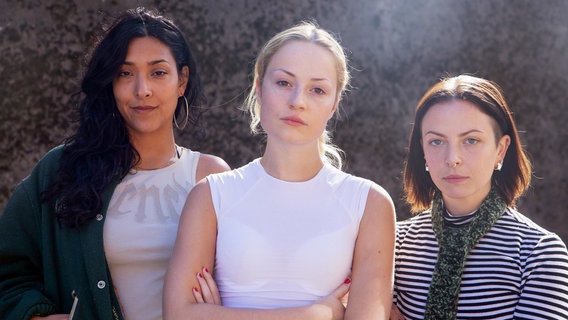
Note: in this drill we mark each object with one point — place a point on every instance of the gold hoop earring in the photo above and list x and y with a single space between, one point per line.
186 115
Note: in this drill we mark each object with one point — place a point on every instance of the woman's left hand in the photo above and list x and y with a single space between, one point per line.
209 292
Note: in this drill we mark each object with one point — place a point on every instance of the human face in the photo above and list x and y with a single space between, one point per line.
461 152
298 93
147 87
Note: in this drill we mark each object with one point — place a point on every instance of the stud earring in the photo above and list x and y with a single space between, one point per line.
426 167
499 166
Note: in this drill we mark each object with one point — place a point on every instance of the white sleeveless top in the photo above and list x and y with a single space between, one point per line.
140 230
284 244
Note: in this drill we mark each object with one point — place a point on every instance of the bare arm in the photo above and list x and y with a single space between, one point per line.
395 313
370 295
195 250
209 164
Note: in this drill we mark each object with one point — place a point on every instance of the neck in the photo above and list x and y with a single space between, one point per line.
454 247
291 164
460 207
155 152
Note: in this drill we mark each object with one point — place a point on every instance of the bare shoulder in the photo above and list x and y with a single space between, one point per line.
379 197
198 203
379 206
209 164
200 189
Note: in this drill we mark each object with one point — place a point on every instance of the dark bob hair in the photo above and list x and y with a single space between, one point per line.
515 175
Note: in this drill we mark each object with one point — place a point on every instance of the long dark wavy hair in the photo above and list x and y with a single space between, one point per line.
100 153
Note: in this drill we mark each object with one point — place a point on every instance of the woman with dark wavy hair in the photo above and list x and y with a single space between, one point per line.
89 233
468 253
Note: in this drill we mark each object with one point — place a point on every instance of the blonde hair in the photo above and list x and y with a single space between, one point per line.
309 32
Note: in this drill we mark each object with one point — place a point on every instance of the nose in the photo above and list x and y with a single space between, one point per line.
143 89
297 99
453 157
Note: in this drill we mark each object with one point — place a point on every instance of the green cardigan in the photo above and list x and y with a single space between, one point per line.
42 264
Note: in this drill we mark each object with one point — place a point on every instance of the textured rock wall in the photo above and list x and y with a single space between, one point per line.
398 48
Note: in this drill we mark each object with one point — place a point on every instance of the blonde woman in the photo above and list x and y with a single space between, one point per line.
289 234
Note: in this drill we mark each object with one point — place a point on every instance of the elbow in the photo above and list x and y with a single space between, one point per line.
186 311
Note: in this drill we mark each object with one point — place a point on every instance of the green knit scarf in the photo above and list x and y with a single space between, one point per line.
455 244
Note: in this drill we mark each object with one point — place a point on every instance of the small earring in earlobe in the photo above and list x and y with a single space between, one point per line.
499 166
426 167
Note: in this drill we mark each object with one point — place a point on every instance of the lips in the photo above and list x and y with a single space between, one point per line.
143 109
454 178
293 121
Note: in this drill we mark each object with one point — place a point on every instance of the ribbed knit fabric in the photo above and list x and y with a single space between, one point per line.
455 244
517 270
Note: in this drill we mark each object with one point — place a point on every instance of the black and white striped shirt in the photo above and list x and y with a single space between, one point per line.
518 270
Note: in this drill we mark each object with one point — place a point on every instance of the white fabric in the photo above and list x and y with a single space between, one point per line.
140 230
284 244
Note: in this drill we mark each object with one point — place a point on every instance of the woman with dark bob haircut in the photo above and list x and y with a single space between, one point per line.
88 234
468 253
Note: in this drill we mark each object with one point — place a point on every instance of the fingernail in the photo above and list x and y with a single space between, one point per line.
347 281
195 289
200 275
206 270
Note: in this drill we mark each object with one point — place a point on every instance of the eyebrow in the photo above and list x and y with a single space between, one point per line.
461 134
151 63
293 75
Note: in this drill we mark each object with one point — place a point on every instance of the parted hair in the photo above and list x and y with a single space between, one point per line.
307 31
515 175
100 152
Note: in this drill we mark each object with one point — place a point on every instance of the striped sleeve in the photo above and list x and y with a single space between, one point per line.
544 294
517 270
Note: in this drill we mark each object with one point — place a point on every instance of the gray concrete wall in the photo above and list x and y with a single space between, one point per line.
398 48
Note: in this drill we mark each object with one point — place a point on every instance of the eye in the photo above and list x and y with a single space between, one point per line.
159 73
435 142
124 73
318 91
283 83
471 141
